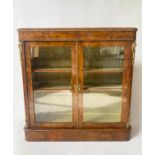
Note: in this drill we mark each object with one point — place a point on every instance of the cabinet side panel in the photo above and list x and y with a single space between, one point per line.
23 65
127 84
29 83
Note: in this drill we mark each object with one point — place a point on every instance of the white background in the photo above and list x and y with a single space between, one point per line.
80 13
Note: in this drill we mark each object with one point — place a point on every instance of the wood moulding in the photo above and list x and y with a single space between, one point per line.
78 34
109 134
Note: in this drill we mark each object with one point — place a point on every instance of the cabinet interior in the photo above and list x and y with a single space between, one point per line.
102 83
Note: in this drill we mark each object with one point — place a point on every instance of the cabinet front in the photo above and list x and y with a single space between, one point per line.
51 73
78 85
101 69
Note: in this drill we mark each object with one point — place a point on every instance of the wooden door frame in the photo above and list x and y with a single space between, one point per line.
29 87
126 84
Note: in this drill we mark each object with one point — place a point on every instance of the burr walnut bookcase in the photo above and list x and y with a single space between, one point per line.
77 83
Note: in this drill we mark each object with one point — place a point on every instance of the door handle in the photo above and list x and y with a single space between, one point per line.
77 87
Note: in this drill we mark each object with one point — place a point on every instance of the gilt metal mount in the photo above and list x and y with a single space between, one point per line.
133 46
20 45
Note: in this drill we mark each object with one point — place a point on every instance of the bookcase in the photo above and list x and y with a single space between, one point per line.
77 83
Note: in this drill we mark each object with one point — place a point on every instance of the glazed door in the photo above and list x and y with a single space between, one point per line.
52 76
102 74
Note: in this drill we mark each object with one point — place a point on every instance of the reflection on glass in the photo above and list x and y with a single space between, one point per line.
103 57
53 106
102 84
51 57
51 78
100 79
102 106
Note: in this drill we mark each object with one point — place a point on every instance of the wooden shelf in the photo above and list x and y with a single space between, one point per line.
50 87
93 70
52 70
106 87
104 70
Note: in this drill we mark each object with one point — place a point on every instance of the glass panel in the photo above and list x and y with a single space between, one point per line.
103 57
53 106
48 80
51 57
102 86
51 79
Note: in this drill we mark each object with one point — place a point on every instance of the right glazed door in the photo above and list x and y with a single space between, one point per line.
101 68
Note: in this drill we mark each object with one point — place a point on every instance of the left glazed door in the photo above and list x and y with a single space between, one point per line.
51 69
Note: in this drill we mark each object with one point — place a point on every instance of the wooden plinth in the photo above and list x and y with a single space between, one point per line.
121 134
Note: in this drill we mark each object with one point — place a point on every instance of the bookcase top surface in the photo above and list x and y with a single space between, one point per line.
81 29
77 34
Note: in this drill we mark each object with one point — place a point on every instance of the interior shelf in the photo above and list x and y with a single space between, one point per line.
103 70
104 87
86 88
54 70
93 70
49 86
116 86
